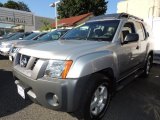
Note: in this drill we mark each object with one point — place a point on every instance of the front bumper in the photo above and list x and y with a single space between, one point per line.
69 91
12 56
4 51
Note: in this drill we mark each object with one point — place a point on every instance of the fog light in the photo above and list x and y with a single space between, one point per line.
53 99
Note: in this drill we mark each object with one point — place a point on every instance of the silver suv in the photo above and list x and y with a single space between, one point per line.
80 72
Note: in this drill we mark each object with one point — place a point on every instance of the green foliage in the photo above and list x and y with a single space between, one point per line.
23 7
16 5
68 8
12 5
46 25
1 5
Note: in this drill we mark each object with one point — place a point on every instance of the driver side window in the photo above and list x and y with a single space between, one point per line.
127 29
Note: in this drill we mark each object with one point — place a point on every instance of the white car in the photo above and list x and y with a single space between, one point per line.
6 45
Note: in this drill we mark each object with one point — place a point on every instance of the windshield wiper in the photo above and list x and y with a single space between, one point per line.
73 38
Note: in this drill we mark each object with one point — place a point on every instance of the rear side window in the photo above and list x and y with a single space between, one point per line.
140 31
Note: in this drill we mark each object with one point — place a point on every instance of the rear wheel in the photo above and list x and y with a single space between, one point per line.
148 65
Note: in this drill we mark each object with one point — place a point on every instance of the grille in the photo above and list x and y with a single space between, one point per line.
14 50
27 62
34 63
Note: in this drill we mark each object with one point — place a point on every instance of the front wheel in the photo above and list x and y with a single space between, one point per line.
96 99
99 100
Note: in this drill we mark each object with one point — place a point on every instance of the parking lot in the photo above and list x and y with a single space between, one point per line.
140 100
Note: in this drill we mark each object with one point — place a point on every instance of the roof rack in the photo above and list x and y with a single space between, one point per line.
125 15
116 16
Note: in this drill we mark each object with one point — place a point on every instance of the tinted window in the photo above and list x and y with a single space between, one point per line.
55 35
31 36
16 36
42 34
8 35
144 31
101 30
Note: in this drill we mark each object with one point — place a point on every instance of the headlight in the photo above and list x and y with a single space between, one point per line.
58 68
6 46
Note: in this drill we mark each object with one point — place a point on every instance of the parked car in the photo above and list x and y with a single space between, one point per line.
79 73
5 45
54 35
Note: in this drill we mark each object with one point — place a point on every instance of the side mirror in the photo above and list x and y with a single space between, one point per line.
132 37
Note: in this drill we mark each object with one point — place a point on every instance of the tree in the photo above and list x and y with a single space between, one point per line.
12 5
68 8
23 7
16 5
1 5
45 25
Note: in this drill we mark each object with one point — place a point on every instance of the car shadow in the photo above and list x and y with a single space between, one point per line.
10 101
139 100
3 57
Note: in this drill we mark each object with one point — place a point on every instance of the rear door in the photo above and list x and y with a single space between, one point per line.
143 38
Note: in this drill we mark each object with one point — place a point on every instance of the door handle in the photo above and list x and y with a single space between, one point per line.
137 47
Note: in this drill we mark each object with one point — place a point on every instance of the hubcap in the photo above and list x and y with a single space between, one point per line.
148 65
99 100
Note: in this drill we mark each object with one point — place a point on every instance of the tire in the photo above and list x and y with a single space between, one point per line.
96 99
148 66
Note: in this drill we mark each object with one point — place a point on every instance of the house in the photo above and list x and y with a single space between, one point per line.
73 21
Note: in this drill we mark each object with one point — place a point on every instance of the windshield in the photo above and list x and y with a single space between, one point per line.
55 35
39 36
8 35
16 36
98 31
31 36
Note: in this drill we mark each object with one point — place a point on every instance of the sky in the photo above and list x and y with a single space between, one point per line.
41 7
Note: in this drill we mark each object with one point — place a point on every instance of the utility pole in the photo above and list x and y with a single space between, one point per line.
153 13
127 6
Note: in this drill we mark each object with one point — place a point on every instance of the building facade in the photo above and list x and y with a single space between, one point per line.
16 20
141 8
149 10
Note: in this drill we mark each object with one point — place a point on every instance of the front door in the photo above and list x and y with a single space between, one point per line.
129 57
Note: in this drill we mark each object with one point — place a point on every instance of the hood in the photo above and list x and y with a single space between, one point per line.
64 49
22 44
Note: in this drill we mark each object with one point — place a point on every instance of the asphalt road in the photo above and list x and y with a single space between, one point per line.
139 100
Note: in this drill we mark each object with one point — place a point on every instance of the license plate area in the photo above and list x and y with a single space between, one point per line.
10 58
21 91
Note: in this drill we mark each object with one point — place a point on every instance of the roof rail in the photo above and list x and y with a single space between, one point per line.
125 15
116 16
